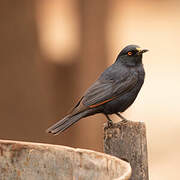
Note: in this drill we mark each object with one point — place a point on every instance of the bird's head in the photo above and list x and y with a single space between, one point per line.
131 55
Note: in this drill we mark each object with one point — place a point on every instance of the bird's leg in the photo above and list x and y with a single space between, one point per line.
110 122
124 120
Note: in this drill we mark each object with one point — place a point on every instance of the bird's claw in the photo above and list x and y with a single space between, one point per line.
124 121
110 123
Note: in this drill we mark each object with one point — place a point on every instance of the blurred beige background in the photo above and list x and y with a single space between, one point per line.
51 52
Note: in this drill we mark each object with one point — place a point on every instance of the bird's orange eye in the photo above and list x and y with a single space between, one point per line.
129 53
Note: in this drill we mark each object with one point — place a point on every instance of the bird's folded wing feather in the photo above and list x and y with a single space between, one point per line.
101 91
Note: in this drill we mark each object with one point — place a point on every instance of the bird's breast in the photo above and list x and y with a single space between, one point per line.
121 103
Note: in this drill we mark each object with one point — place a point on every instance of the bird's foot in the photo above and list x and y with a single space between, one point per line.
124 121
110 123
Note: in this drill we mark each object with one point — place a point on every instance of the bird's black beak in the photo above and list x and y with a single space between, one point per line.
143 51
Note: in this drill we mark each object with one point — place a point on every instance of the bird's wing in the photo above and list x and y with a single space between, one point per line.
102 92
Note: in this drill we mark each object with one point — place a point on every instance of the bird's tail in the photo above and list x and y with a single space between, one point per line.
66 122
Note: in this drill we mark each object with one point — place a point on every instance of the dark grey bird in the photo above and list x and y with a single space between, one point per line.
113 92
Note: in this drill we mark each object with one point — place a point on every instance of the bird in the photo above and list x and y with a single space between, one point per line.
112 93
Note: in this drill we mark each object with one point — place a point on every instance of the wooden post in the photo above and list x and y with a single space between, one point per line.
127 141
